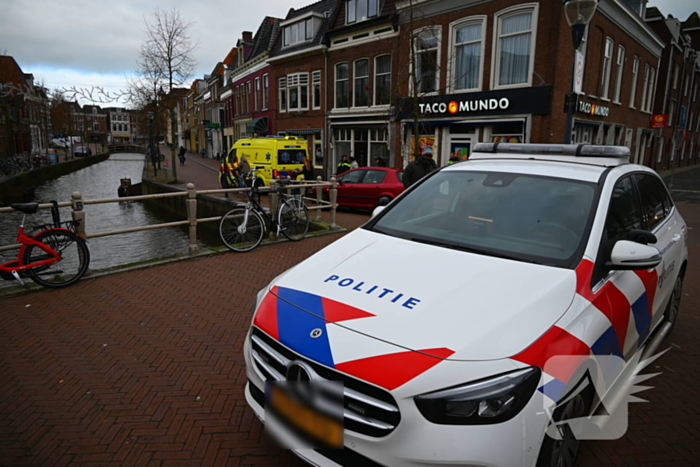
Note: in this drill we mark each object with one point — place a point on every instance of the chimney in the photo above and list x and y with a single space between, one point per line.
247 36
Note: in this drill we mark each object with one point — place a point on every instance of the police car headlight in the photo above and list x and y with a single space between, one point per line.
488 401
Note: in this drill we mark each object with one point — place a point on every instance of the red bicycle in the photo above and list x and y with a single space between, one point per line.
54 257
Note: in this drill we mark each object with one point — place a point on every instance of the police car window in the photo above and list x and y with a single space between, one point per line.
522 217
652 202
624 213
352 177
374 176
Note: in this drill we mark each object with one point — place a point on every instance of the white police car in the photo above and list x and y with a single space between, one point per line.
480 317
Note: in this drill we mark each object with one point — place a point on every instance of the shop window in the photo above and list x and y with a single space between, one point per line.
342 98
426 43
507 132
467 51
515 44
361 78
382 80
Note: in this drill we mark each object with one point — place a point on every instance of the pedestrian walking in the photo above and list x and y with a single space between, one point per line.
419 168
181 155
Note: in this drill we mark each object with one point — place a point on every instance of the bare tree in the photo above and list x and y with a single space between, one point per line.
165 61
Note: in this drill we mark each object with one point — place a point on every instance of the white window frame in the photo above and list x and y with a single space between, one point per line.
647 69
298 81
635 79
374 83
335 85
671 112
247 96
355 77
282 94
354 4
437 31
676 71
621 56
257 94
266 91
650 91
607 67
451 63
299 30
316 83
532 8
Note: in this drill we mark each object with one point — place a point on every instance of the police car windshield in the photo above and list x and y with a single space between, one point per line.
523 217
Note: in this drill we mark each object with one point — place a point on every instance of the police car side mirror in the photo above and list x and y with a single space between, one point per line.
641 236
630 256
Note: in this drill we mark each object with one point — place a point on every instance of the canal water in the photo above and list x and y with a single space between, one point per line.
100 181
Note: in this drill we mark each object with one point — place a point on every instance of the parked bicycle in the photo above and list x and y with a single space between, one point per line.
242 228
54 257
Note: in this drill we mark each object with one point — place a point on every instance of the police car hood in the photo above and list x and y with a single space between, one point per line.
376 294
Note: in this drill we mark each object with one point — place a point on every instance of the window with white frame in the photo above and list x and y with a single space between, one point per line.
514 49
618 73
361 83
301 31
645 88
382 80
360 10
635 78
342 90
257 94
316 85
266 90
671 112
298 91
467 51
676 70
247 96
607 65
650 90
426 43
282 87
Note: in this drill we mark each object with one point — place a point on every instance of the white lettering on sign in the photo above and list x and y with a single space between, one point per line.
479 105
593 109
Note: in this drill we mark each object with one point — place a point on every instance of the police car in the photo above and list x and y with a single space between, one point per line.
495 314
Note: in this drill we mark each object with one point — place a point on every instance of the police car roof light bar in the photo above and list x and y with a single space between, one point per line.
576 150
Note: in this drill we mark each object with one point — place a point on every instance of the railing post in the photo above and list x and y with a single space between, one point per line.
78 214
192 216
319 197
333 196
273 198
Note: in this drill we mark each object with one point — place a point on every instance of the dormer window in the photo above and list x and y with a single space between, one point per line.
301 31
360 10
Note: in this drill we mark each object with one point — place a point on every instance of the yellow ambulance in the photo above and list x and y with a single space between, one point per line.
274 156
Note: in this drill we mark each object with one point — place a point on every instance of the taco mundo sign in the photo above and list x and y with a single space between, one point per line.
533 100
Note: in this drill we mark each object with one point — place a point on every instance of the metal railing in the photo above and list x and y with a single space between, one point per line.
78 214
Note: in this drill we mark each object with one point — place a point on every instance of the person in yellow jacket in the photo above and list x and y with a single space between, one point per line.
228 170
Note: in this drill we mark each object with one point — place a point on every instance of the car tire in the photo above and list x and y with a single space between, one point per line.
564 452
674 303
384 199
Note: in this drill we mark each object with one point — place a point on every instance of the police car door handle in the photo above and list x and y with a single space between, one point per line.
676 238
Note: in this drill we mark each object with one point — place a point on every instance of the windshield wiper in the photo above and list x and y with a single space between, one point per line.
471 250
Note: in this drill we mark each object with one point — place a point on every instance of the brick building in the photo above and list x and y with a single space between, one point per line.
300 77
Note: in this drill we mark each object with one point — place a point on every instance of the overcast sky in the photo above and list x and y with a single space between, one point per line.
95 42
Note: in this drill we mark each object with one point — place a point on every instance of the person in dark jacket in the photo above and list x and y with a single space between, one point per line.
343 166
419 168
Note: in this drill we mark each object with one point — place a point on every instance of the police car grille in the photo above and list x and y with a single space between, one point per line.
369 410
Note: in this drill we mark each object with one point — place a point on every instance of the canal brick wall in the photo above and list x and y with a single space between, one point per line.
20 188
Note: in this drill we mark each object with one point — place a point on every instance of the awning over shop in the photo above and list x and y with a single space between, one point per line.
257 125
303 131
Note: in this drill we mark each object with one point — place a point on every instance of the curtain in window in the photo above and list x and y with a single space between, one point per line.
468 57
515 49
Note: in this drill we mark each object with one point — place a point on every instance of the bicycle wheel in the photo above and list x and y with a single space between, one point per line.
75 258
294 219
241 234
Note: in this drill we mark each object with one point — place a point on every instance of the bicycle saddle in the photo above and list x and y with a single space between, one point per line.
27 208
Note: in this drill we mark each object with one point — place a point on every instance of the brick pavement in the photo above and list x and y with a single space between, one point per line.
145 368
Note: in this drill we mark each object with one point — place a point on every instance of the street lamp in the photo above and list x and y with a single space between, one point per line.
578 14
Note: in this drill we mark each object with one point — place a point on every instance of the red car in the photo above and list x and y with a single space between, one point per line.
365 186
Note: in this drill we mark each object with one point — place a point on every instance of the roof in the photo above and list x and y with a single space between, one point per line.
265 36
327 8
692 22
10 71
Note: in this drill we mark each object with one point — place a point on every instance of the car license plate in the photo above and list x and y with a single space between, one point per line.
315 425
